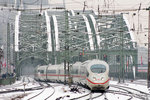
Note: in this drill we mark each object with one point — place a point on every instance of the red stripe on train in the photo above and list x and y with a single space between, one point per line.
97 83
62 75
74 76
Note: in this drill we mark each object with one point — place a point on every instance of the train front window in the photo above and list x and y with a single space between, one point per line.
98 68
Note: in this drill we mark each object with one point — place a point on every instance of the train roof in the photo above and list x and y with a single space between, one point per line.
41 67
77 63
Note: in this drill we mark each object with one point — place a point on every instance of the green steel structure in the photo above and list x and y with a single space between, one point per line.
55 36
117 45
32 38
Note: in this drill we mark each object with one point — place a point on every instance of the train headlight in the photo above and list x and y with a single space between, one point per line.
94 78
102 78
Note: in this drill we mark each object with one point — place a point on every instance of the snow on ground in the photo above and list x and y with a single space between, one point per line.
62 92
135 84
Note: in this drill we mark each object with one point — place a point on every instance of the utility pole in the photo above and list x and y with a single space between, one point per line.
98 11
65 46
1 55
8 48
66 58
139 17
41 7
148 76
121 68
84 6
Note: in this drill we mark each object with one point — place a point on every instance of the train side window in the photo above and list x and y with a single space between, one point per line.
74 71
87 74
83 71
51 71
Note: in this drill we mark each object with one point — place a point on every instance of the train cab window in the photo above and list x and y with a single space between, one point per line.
98 68
51 71
41 71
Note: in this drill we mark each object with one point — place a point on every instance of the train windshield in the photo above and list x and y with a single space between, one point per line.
98 68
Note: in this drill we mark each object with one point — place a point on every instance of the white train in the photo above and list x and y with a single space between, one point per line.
92 73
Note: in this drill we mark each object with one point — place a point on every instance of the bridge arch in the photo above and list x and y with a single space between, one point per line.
45 37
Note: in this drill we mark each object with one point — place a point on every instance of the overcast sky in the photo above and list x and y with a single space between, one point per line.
117 4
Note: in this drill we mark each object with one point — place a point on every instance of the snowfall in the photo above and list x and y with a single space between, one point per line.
59 91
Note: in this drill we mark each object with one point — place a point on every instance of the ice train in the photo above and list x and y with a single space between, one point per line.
91 73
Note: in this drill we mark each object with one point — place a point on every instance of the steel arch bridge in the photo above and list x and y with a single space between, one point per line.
52 36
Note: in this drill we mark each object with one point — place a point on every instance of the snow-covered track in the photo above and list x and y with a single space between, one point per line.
132 91
141 82
95 97
25 90
121 93
19 87
51 93
80 97
20 90
13 87
26 79
43 91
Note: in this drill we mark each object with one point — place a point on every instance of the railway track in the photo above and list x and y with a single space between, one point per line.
42 92
89 96
19 89
120 93
141 82
23 93
95 96
49 90
19 86
51 93
13 87
41 86
129 93
132 92
80 97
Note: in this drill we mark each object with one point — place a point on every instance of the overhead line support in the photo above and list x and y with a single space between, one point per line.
148 73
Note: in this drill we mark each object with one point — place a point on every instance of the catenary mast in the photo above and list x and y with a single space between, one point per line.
148 76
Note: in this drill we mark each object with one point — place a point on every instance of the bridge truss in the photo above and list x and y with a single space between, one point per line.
53 36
